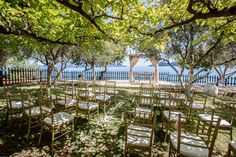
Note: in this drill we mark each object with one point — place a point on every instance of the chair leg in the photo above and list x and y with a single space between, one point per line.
73 129
150 152
21 121
7 116
40 136
52 144
125 151
170 150
229 151
104 108
29 126
167 130
231 132
115 100
10 120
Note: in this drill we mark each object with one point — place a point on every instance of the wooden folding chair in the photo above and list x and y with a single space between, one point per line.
86 104
144 105
33 113
146 90
15 104
59 124
170 109
187 144
227 114
112 90
139 133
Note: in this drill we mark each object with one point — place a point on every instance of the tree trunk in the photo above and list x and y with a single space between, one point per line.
58 76
102 73
49 76
190 83
94 73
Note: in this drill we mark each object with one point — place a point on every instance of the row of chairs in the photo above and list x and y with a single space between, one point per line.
91 95
37 112
175 108
56 109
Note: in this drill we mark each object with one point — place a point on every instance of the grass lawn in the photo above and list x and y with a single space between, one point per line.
102 136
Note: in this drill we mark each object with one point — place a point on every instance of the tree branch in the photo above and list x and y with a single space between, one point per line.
209 50
226 12
7 30
199 78
80 10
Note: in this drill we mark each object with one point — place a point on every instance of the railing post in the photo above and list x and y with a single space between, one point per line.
1 77
40 75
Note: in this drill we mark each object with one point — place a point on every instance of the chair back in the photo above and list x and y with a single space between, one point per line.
144 101
225 110
201 101
164 92
10 97
44 103
26 99
84 94
30 103
136 118
176 91
209 132
146 89
111 85
208 135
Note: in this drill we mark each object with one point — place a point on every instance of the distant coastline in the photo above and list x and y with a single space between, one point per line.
70 66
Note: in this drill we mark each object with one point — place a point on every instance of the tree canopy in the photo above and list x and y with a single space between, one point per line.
131 22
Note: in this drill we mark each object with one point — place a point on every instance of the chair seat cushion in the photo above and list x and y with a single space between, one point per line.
67 103
88 106
103 97
109 91
162 95
70 92
208 117
35 111
197 106
187 150
53 97
146 94
143 112
59 118
99 91
139 135
172 115
182 96
15 105
85 89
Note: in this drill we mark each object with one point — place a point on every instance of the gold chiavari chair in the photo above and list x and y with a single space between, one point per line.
187 144
59 123
139 133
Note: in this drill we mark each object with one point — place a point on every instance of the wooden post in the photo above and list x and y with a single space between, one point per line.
5 75
1 77
9 75
18 75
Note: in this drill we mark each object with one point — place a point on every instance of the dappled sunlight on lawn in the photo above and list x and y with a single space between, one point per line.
102 135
